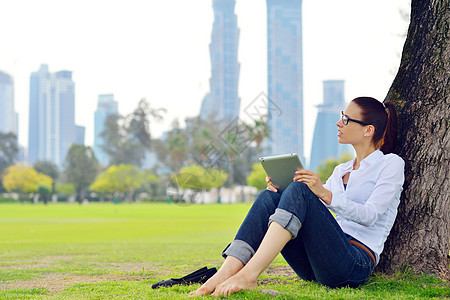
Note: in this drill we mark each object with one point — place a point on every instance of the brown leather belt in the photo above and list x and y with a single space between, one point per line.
357 244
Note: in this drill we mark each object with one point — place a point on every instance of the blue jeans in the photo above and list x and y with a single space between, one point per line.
318 251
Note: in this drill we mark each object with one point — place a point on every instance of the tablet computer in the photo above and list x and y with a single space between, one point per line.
281 168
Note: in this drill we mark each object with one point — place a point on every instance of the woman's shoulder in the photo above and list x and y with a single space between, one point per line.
393 164
393 158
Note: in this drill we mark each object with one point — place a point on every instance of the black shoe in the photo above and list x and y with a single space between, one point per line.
199 276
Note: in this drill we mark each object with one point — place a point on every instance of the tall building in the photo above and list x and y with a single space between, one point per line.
285 79
325 144
106 106
8 116
223 101
52 116
79 134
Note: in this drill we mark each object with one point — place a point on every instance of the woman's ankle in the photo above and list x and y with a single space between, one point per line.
231 266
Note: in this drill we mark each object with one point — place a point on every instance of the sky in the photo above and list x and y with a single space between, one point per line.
159 50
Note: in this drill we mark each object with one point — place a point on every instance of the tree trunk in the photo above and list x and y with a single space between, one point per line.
421 92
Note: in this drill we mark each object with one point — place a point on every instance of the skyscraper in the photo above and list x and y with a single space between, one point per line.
106 106
325 144
285 87
223 101
52 115
79 134
7 114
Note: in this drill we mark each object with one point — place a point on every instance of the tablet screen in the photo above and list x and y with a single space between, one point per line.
281 169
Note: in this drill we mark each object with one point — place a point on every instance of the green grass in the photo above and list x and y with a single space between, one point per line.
99 251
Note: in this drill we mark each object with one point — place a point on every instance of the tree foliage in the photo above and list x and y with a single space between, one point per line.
81 168
257 177
177 147
258 132
48 168
128 138
325 168
8 150
22 179
44 193
122 179
198 178
65 189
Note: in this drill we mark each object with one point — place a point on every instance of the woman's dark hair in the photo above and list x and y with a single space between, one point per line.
384 118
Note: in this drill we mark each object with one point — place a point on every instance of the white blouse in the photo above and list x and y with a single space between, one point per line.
367 208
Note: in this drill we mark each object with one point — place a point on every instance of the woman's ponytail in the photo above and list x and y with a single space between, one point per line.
384 118
389 140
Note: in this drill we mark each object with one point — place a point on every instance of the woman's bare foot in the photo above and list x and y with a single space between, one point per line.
241 281
229 268
209 286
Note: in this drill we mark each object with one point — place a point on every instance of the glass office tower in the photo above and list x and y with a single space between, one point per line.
106 106
325 144
285 82
52 116
223 102
7 113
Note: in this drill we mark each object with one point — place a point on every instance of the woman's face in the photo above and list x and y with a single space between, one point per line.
353 132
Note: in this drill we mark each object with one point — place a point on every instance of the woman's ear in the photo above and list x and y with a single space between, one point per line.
369 130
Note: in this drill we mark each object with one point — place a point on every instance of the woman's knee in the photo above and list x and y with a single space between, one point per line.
268 198
297 194
299 188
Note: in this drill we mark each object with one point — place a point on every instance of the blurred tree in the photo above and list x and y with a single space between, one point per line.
200 134
44 193
198 178
24 180
325 169
118 144
81 168
8 151
177 148
127 139
230 151
139 121
48 168
258 132
123 179
257 177
65 190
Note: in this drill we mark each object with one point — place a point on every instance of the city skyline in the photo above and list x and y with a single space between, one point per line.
134 59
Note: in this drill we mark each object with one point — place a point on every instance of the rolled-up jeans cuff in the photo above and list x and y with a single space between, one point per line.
239 249
286 219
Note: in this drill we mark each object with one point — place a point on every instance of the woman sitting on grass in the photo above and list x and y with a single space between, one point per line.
363 193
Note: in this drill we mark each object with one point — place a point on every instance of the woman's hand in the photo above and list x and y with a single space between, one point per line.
270 186
312 180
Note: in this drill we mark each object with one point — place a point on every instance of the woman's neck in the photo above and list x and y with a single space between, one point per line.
362 151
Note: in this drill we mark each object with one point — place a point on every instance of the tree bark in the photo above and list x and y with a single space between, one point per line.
421 91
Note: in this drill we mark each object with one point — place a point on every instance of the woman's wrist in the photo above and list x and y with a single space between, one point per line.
326 196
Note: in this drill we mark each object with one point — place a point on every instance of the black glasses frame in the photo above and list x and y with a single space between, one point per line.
345 120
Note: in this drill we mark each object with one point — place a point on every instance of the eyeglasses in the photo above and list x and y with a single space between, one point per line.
345 120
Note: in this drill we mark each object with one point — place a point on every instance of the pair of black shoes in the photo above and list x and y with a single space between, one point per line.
199 276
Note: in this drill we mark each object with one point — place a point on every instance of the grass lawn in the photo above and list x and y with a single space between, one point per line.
107 251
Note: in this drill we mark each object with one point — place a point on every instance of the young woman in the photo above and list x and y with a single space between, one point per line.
363 193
